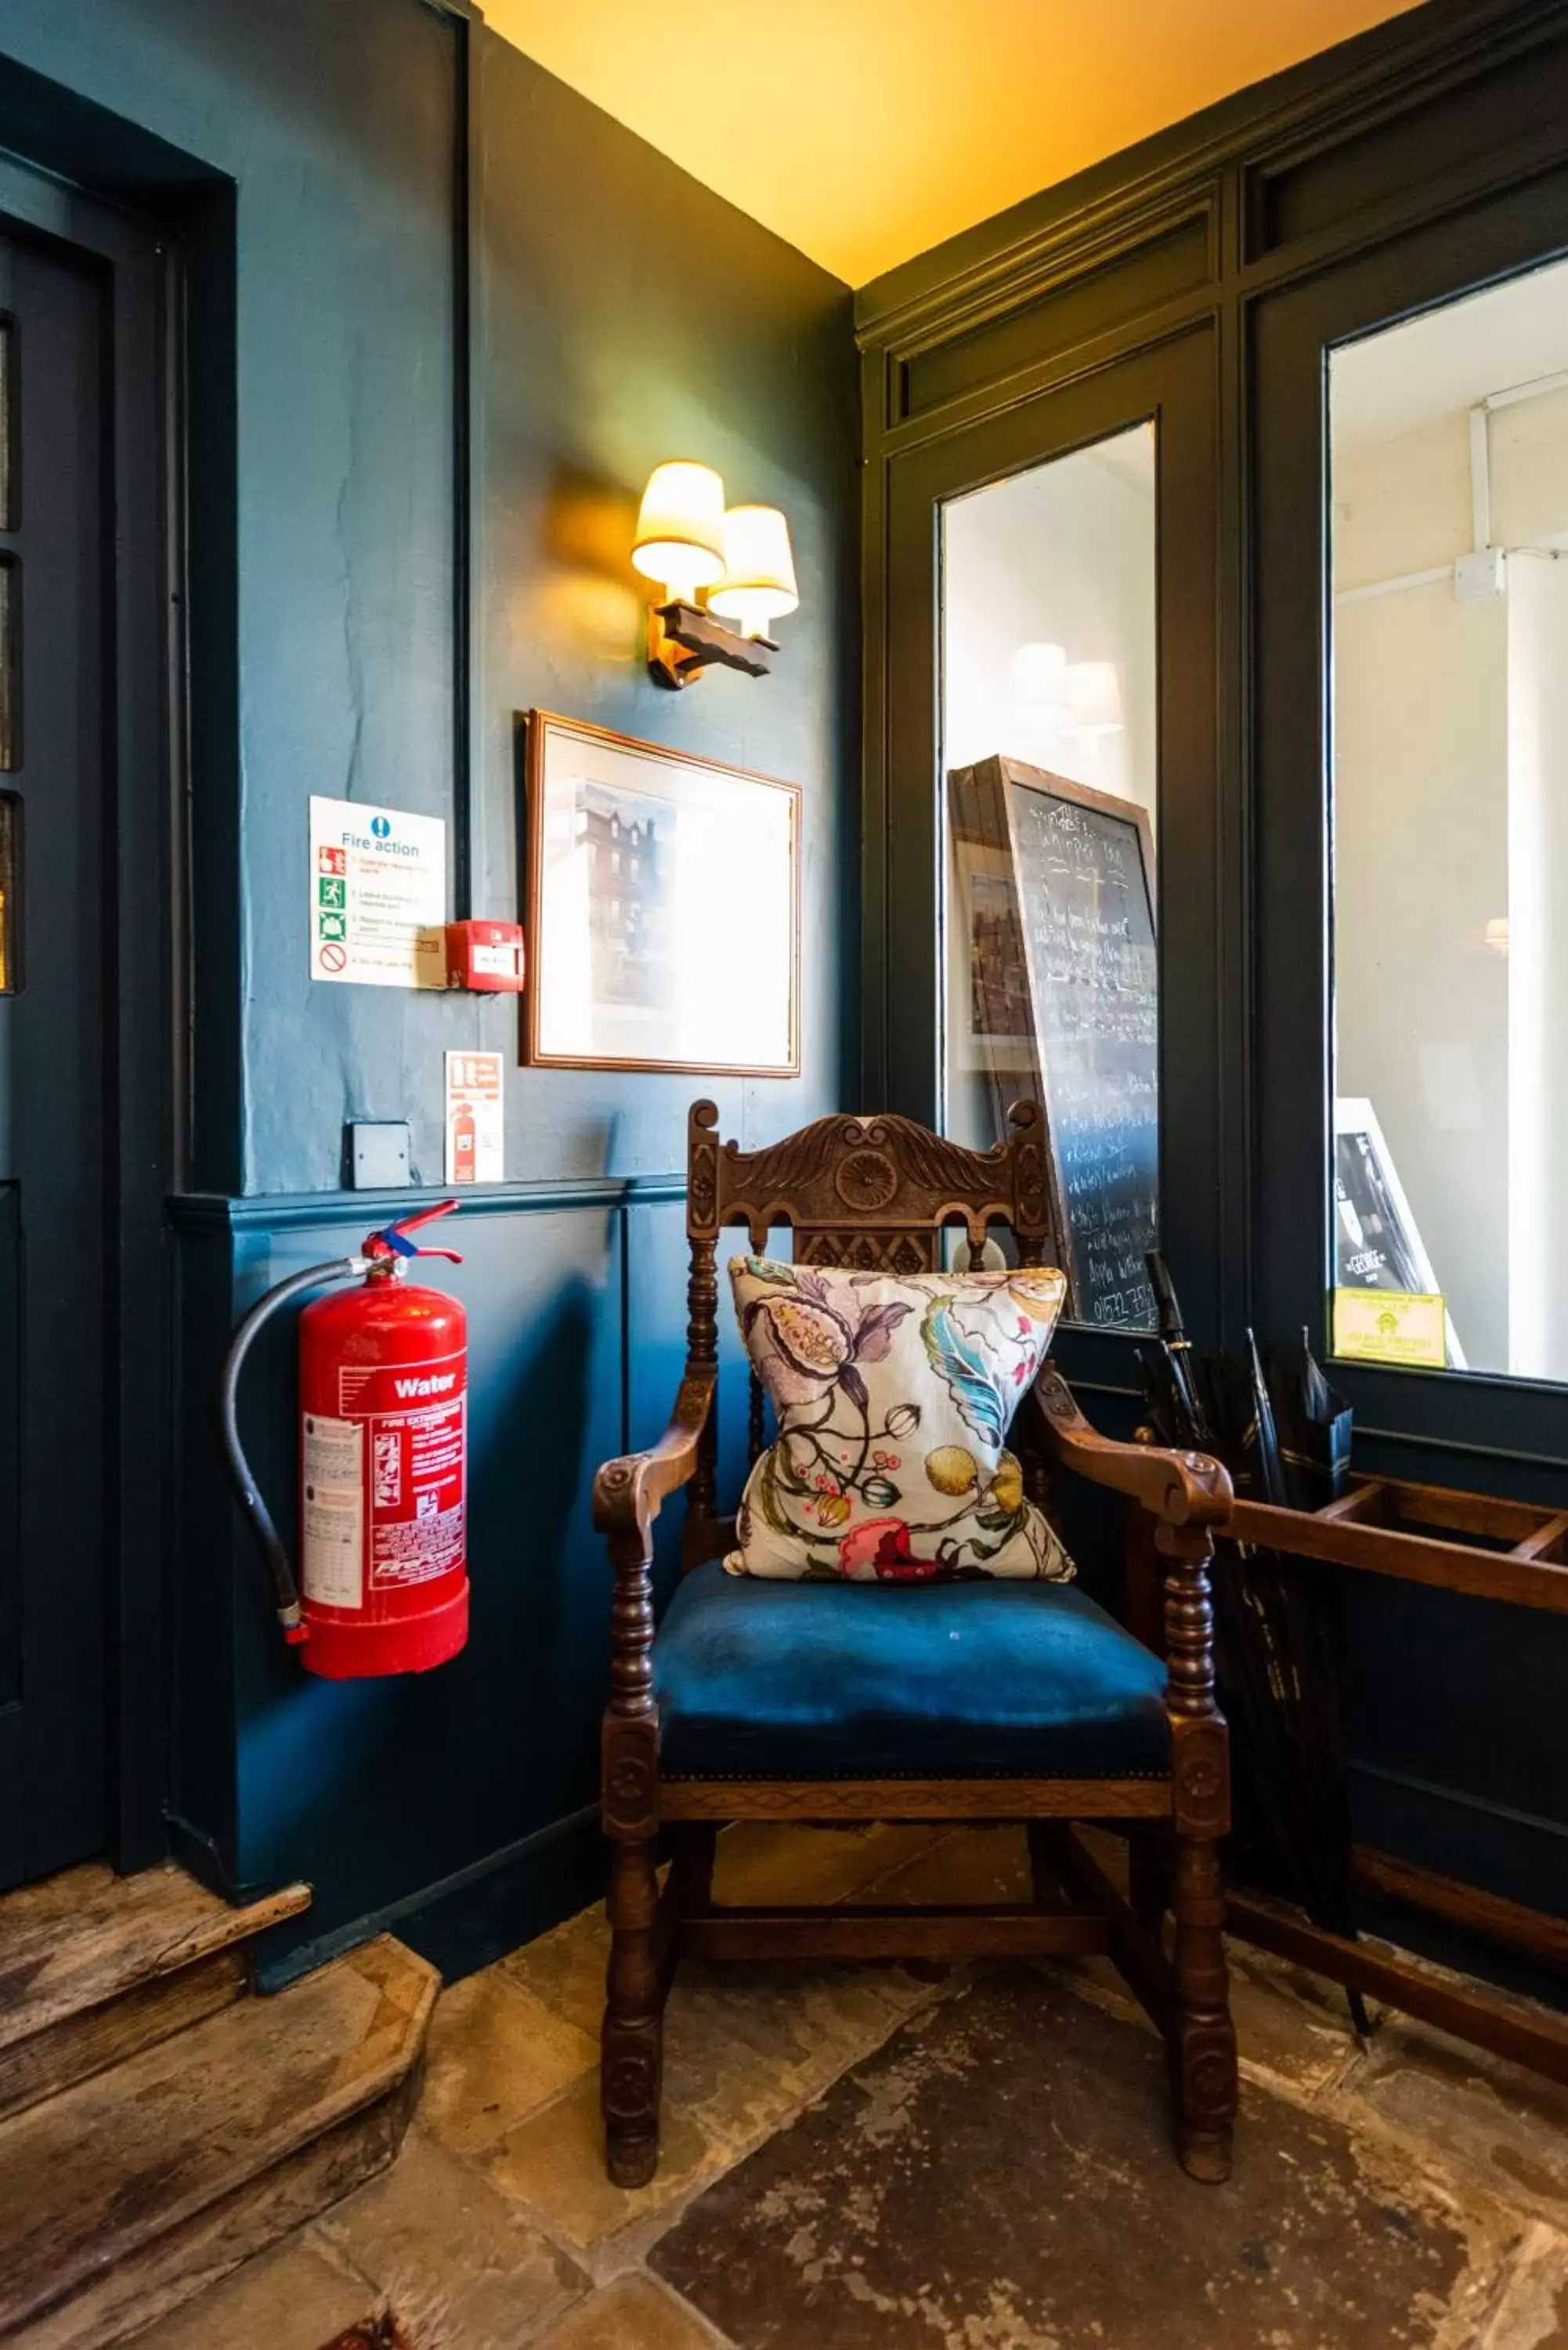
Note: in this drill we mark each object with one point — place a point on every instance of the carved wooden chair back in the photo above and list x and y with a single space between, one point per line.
877 1194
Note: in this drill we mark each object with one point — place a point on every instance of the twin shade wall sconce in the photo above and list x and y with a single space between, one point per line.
741 556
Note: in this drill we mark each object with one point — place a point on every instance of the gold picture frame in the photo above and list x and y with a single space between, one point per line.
663 904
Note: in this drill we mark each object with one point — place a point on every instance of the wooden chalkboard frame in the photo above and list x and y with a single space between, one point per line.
980 817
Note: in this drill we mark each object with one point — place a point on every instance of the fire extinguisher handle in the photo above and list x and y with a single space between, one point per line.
424 1216
393 1240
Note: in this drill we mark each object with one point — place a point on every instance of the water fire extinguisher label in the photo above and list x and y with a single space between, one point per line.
334 1512
420 1535
414 1413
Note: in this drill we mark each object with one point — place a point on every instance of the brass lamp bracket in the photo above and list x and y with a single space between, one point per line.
683 639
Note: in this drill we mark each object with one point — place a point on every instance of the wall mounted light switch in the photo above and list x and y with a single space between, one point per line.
377 1154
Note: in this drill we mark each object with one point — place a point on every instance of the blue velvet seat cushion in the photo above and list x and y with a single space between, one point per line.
758 1680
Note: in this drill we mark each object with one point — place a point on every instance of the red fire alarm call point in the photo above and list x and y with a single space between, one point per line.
484 956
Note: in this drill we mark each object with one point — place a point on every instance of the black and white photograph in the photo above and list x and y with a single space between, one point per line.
629 841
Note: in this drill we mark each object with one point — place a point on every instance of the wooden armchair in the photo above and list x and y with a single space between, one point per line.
876 1193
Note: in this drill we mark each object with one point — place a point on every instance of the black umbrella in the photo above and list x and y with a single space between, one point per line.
1276 1617
1315 1429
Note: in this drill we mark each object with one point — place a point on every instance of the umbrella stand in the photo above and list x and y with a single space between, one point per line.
1505 1552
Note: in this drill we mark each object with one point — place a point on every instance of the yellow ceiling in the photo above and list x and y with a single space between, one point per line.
865 130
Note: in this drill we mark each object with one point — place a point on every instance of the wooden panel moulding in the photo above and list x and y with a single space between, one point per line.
1122 281
1397 146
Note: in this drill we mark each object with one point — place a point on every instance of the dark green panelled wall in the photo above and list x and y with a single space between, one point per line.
619 314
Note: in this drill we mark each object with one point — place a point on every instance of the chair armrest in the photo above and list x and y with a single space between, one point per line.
628 1492
1184 1489
1189 1495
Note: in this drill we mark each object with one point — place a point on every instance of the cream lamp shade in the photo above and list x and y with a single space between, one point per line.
681 529
758 584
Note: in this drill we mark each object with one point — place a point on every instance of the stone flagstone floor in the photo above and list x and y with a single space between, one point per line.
840 2094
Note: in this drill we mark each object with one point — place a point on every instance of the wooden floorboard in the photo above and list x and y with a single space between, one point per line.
97 2177
94 2038
171 2268
79 1940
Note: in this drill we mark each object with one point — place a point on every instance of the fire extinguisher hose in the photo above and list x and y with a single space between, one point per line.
341 1268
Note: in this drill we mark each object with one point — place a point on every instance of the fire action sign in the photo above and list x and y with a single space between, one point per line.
377 895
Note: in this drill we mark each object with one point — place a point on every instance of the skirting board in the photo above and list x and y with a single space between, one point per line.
480 1912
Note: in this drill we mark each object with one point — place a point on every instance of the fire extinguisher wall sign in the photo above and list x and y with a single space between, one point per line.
383 1398
473 1120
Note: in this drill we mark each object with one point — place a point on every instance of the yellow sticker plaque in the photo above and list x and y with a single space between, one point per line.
1391 1326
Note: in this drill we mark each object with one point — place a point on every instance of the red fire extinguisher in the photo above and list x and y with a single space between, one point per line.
383 1460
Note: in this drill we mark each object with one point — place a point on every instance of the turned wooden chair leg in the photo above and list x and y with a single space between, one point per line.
633 2048
1202 2042
1203 2039
638 1977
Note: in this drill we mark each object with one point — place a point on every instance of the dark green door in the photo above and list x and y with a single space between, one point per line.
56 1078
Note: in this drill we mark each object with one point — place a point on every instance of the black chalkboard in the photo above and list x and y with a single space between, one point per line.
1088 933
1078 875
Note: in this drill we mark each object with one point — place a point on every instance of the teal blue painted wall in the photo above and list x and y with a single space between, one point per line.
622 314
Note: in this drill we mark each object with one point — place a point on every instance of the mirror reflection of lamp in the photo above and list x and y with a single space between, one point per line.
1094 697
1037 692
1039 681
742 558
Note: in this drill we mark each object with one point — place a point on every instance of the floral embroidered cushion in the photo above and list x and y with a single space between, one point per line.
893 1396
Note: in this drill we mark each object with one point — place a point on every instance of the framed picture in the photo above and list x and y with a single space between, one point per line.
663 908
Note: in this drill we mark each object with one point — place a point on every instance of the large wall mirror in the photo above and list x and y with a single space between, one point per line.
1448 481
1049 756
1043 849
